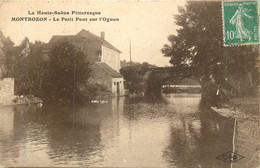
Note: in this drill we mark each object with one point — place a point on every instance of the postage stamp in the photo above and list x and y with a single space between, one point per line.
240 22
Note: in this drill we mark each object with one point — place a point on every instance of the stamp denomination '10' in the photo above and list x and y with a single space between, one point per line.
240 22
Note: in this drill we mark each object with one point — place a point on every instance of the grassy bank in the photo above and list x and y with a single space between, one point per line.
246 105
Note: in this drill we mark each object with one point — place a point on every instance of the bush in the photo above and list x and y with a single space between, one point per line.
88 92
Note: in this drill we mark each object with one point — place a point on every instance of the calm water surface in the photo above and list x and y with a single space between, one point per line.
177 131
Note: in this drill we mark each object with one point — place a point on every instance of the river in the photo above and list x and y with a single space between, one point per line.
177 131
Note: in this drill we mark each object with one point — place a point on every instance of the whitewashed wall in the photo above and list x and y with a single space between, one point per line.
111 58
121 86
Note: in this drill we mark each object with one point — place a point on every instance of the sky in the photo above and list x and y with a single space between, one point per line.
146 24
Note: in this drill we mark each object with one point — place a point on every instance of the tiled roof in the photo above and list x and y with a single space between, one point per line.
77 37
105 43
109 70
57 38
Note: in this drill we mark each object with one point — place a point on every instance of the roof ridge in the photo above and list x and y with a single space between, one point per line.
102 40
62 35
99 38
83 31
103 68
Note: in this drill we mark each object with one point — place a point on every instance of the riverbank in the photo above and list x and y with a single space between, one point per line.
21 100
245 112
241 108
247 105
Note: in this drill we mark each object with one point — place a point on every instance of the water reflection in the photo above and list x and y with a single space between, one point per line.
74 134
200 139
6 133
178 131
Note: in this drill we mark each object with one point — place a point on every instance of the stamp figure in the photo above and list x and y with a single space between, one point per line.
240 22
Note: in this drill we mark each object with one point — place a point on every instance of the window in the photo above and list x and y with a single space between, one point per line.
114 83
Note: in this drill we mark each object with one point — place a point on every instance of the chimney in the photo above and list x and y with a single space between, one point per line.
102 35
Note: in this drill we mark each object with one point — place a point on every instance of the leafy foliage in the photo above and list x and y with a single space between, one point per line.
27 69
134 75
6 51
62 77
67 69
198 45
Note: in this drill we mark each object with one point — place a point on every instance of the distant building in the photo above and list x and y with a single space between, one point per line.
104 58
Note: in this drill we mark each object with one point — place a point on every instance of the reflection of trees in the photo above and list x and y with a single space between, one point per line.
144 107
64 135
180 151
20 125
8 151
189 147
70 136
73 134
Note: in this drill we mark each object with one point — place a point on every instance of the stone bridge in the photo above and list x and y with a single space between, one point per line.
158 76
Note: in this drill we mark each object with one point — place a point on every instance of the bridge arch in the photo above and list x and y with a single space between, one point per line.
158 76
154 79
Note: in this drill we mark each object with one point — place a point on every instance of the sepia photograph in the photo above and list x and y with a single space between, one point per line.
137 83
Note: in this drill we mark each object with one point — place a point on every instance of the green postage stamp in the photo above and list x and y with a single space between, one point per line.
240 22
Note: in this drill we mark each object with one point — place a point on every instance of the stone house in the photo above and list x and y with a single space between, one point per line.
103 57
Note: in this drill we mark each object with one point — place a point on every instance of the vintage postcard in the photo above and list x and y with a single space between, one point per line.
129 83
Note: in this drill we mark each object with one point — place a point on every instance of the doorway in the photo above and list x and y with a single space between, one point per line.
117 88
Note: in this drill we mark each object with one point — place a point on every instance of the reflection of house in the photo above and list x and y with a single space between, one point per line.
103 56
7 121
6 91
112 123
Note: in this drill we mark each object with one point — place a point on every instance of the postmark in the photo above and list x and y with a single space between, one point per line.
230 157
240 22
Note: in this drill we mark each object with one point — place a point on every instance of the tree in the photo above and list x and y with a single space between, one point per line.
21 68
34 70
134 74
22 63
198 45
67 69
134 80
6 49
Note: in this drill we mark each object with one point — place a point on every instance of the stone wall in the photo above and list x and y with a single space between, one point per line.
6 91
